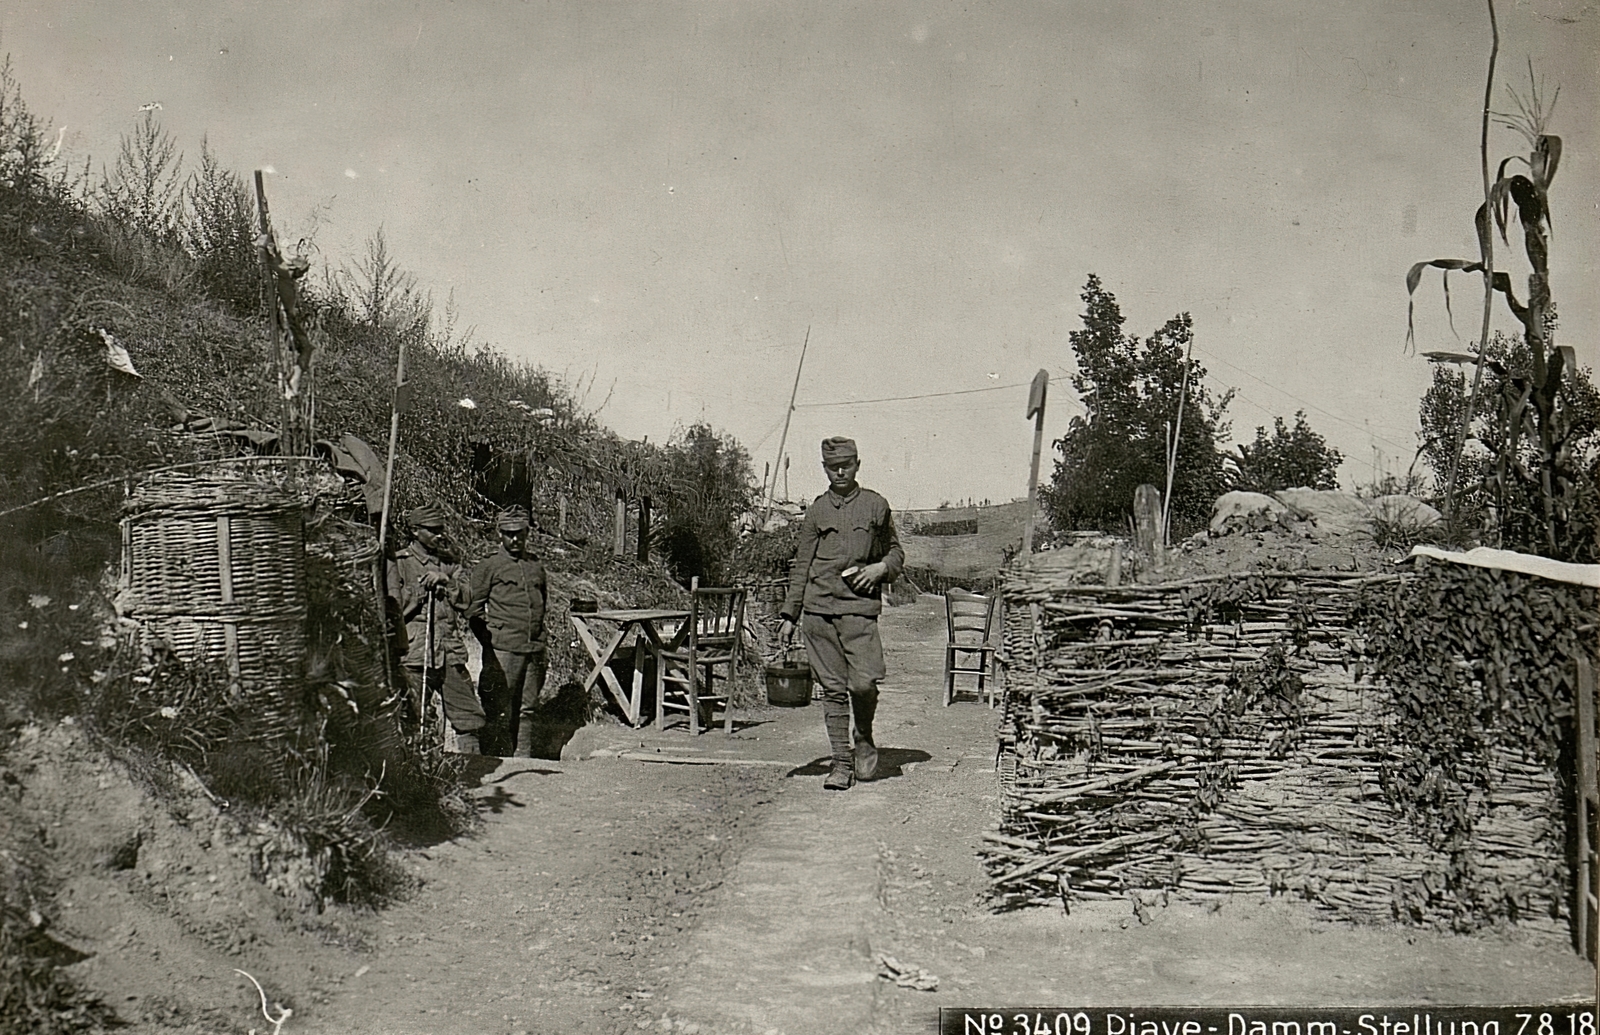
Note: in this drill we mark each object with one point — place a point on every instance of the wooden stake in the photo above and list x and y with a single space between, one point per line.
1172 450
1147 521
401 395
619 543
269 284
644 530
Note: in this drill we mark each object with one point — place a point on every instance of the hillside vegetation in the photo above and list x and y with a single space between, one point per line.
134 338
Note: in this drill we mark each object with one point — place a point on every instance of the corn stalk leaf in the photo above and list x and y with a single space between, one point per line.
1414 277
1546 156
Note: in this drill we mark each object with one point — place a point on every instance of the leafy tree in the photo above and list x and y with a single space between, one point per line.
1501 485
710 484
1130 389
1289 459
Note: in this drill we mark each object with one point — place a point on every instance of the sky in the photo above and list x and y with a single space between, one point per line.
664 202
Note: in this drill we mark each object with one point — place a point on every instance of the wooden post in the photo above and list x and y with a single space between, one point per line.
619 545
1172 443
269 285
402 396
1114 569
644 530
1147 524
1586 914
1036 397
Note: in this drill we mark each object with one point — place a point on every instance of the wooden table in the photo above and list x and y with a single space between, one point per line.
645 624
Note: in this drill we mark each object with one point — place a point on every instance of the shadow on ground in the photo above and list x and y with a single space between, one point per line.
890 761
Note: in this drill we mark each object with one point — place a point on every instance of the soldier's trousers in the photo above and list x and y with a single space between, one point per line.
451 686
846 655
510 679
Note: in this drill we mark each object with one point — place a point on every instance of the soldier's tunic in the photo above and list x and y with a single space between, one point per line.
840 625
508 599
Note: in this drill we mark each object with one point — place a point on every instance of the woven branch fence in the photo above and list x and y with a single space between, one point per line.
1143 748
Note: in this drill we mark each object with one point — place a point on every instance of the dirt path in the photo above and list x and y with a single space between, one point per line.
611 894
605 894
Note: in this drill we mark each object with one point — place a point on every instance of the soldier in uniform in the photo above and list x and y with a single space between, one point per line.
847 551
507 607
424 576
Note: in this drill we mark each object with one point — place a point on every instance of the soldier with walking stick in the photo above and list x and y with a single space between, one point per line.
431 593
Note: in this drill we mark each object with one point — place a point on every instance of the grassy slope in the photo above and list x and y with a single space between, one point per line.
72 421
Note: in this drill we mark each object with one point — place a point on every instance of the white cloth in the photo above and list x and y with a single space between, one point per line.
1510 560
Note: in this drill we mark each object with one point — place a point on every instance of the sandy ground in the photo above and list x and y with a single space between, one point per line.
605 893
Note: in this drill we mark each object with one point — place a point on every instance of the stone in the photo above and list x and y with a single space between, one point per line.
1331 511
1405 510
1245 512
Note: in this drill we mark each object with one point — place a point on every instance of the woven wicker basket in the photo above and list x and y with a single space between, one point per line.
215 566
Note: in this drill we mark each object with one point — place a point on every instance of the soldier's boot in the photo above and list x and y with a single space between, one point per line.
865 706
836 717
528 739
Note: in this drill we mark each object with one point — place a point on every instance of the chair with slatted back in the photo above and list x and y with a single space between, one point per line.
687 670
969 618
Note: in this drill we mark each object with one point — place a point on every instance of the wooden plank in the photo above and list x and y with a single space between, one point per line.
640 756
230 631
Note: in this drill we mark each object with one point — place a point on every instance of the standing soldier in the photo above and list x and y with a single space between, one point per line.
846 551
424 577
507 608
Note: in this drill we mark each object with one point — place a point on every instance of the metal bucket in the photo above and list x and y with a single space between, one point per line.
789 681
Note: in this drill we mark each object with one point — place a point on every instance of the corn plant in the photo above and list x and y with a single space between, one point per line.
1522 182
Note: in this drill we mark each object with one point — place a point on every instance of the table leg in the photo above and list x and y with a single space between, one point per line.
641 650
602 661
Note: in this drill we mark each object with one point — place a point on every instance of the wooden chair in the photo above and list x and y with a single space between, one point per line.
969 618
686 672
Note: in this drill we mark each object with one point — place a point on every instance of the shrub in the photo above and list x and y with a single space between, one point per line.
1290 459
709 484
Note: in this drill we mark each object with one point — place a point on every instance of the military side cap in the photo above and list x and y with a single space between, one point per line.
513 520
424 517
838 449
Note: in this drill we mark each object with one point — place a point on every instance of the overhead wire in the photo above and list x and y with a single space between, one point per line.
908 398
1365 429
1070 401
924 395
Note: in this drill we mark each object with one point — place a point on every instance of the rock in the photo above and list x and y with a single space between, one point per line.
1405 510
1245 512
1333 512
124 856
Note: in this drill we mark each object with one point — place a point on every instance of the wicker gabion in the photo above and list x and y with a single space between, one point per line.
214 569
1131 761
